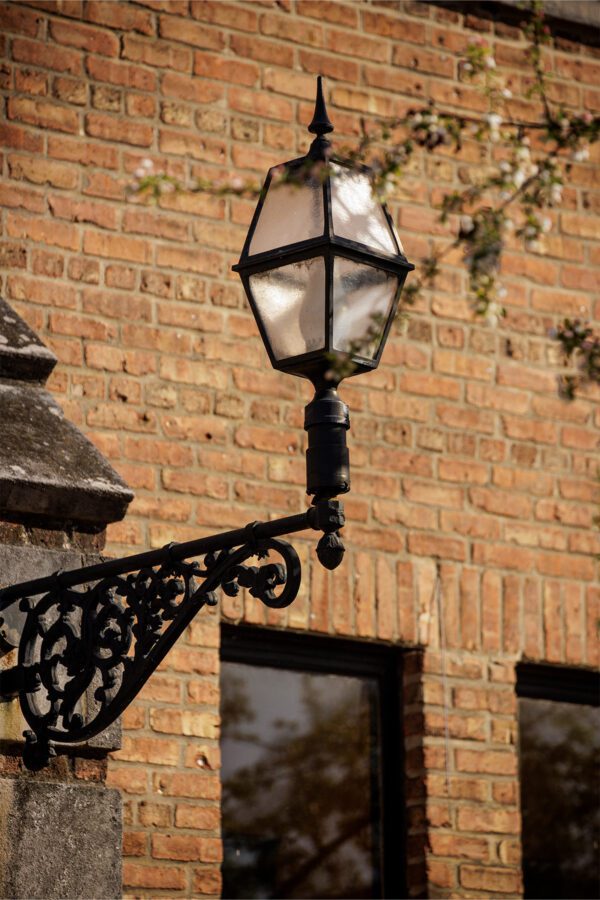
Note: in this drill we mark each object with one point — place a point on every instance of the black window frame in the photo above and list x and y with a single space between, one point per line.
540 681
331 655
558 683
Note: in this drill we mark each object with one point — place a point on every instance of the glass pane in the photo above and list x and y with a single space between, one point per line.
300 784
290 213
559 747
291 304
357 213
363 297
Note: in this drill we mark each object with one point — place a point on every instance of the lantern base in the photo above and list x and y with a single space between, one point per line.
327 420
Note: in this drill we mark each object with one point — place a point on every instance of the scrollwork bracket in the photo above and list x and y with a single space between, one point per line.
92 637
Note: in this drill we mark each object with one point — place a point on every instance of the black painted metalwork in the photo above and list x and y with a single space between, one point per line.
85 654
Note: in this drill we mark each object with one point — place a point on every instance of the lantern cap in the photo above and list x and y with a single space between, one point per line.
320 125
320 121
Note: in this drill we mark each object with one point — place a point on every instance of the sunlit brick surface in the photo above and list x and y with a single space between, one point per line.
461 450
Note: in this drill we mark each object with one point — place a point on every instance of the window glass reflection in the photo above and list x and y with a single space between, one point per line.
301 761
559 754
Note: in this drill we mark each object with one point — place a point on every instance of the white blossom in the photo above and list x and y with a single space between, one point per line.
581 155
466 224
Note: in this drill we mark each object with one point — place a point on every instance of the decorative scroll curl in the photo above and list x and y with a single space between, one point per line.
85 654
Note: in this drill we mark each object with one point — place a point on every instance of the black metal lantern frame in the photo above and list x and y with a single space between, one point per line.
89 639
328 246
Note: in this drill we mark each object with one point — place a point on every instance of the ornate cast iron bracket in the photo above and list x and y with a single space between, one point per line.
85 654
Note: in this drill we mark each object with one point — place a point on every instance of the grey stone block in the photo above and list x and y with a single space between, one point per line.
59 840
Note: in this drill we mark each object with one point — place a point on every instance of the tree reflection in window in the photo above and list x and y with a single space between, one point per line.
559 754
301 785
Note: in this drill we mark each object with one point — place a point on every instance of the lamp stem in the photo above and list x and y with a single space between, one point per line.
327 420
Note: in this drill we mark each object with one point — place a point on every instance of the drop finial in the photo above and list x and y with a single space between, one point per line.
320 121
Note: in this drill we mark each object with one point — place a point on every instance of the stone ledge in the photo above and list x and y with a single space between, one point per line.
22 353
48 468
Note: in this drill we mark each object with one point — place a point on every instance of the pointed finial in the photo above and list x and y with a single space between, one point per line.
320 121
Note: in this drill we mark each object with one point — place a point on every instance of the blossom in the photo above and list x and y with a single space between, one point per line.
490 62
145 168
507 93
466 224
546 224
493 313
494 121
581 155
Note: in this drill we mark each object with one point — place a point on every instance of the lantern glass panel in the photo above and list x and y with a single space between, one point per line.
290 213
363 299
291 303
357 213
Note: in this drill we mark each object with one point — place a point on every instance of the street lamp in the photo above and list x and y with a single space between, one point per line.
323 268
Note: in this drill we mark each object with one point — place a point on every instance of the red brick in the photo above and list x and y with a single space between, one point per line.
252 47
489 878
121 73
20 20
84 211
139 875
44 114
44 231
28 81
124 17
491 762
116 246
193 785
207 881
87 152
85 38
188 32
109 128
50 57
228 14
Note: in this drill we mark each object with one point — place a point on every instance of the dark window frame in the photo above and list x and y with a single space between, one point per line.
315 653
554 683
539 681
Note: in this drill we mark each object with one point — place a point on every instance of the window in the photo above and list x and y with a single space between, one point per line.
311 767
559 744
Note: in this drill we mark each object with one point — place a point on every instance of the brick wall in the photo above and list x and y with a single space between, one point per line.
461 450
